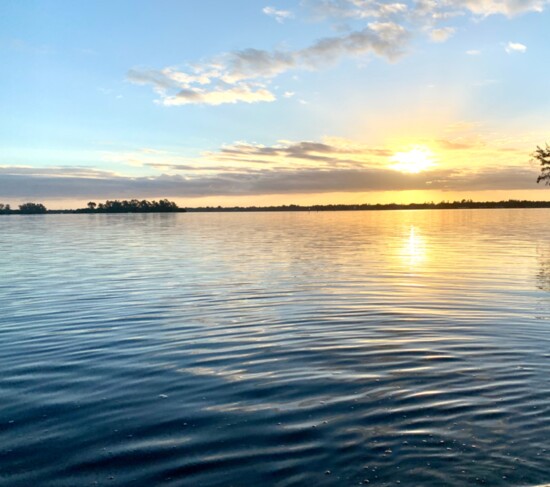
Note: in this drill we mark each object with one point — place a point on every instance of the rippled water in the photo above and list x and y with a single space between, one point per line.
282 349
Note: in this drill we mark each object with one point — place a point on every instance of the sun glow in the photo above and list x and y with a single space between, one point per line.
414 248
416 160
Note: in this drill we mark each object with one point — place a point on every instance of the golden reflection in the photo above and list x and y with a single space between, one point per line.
414 249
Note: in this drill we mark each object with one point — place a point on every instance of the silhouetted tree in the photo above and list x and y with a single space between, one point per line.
32 209
542 156
132 206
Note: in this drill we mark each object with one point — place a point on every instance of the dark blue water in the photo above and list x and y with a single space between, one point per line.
387 348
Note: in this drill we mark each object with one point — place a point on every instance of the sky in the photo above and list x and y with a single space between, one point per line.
250 102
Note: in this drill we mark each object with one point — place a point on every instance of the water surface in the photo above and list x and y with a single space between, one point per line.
287 349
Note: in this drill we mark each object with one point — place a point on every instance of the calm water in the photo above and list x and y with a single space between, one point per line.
282 349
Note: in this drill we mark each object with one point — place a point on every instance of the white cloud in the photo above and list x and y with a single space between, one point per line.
512 47
279 15
243 76
433 10
242 92
384 29
358 9
504 7
473 52
441 35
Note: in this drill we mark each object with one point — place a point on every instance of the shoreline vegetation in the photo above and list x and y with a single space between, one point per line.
110 206
443 205
166 206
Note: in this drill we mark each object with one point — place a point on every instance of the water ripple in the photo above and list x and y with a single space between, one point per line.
386 348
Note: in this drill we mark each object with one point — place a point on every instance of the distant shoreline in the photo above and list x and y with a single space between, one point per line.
455 205
444 205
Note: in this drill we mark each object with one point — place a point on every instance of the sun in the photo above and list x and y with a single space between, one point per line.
415 160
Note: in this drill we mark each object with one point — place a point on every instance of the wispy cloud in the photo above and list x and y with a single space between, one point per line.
504 7
255 182
441 35
279 15
328 153
24 46
514 47
243 76
436 10
331 152
357 9
286 167
382 28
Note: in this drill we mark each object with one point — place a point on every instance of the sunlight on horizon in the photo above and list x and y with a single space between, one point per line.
415 160
280 107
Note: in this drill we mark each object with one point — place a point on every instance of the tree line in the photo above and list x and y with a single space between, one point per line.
109 206
131 206
442 205
24 209
135 206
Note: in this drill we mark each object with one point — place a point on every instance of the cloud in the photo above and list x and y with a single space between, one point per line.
463 160
205 86
358 9
243 76
513 47
421 16
331 153
381 28
16 184
386 39
57 171
495 178
441 35
462 142
279 15
503 7
24 46
434 10
242 92
473 52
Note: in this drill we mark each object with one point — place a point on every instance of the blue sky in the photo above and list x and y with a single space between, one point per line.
250 102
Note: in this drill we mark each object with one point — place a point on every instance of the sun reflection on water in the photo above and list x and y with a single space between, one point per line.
414 250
